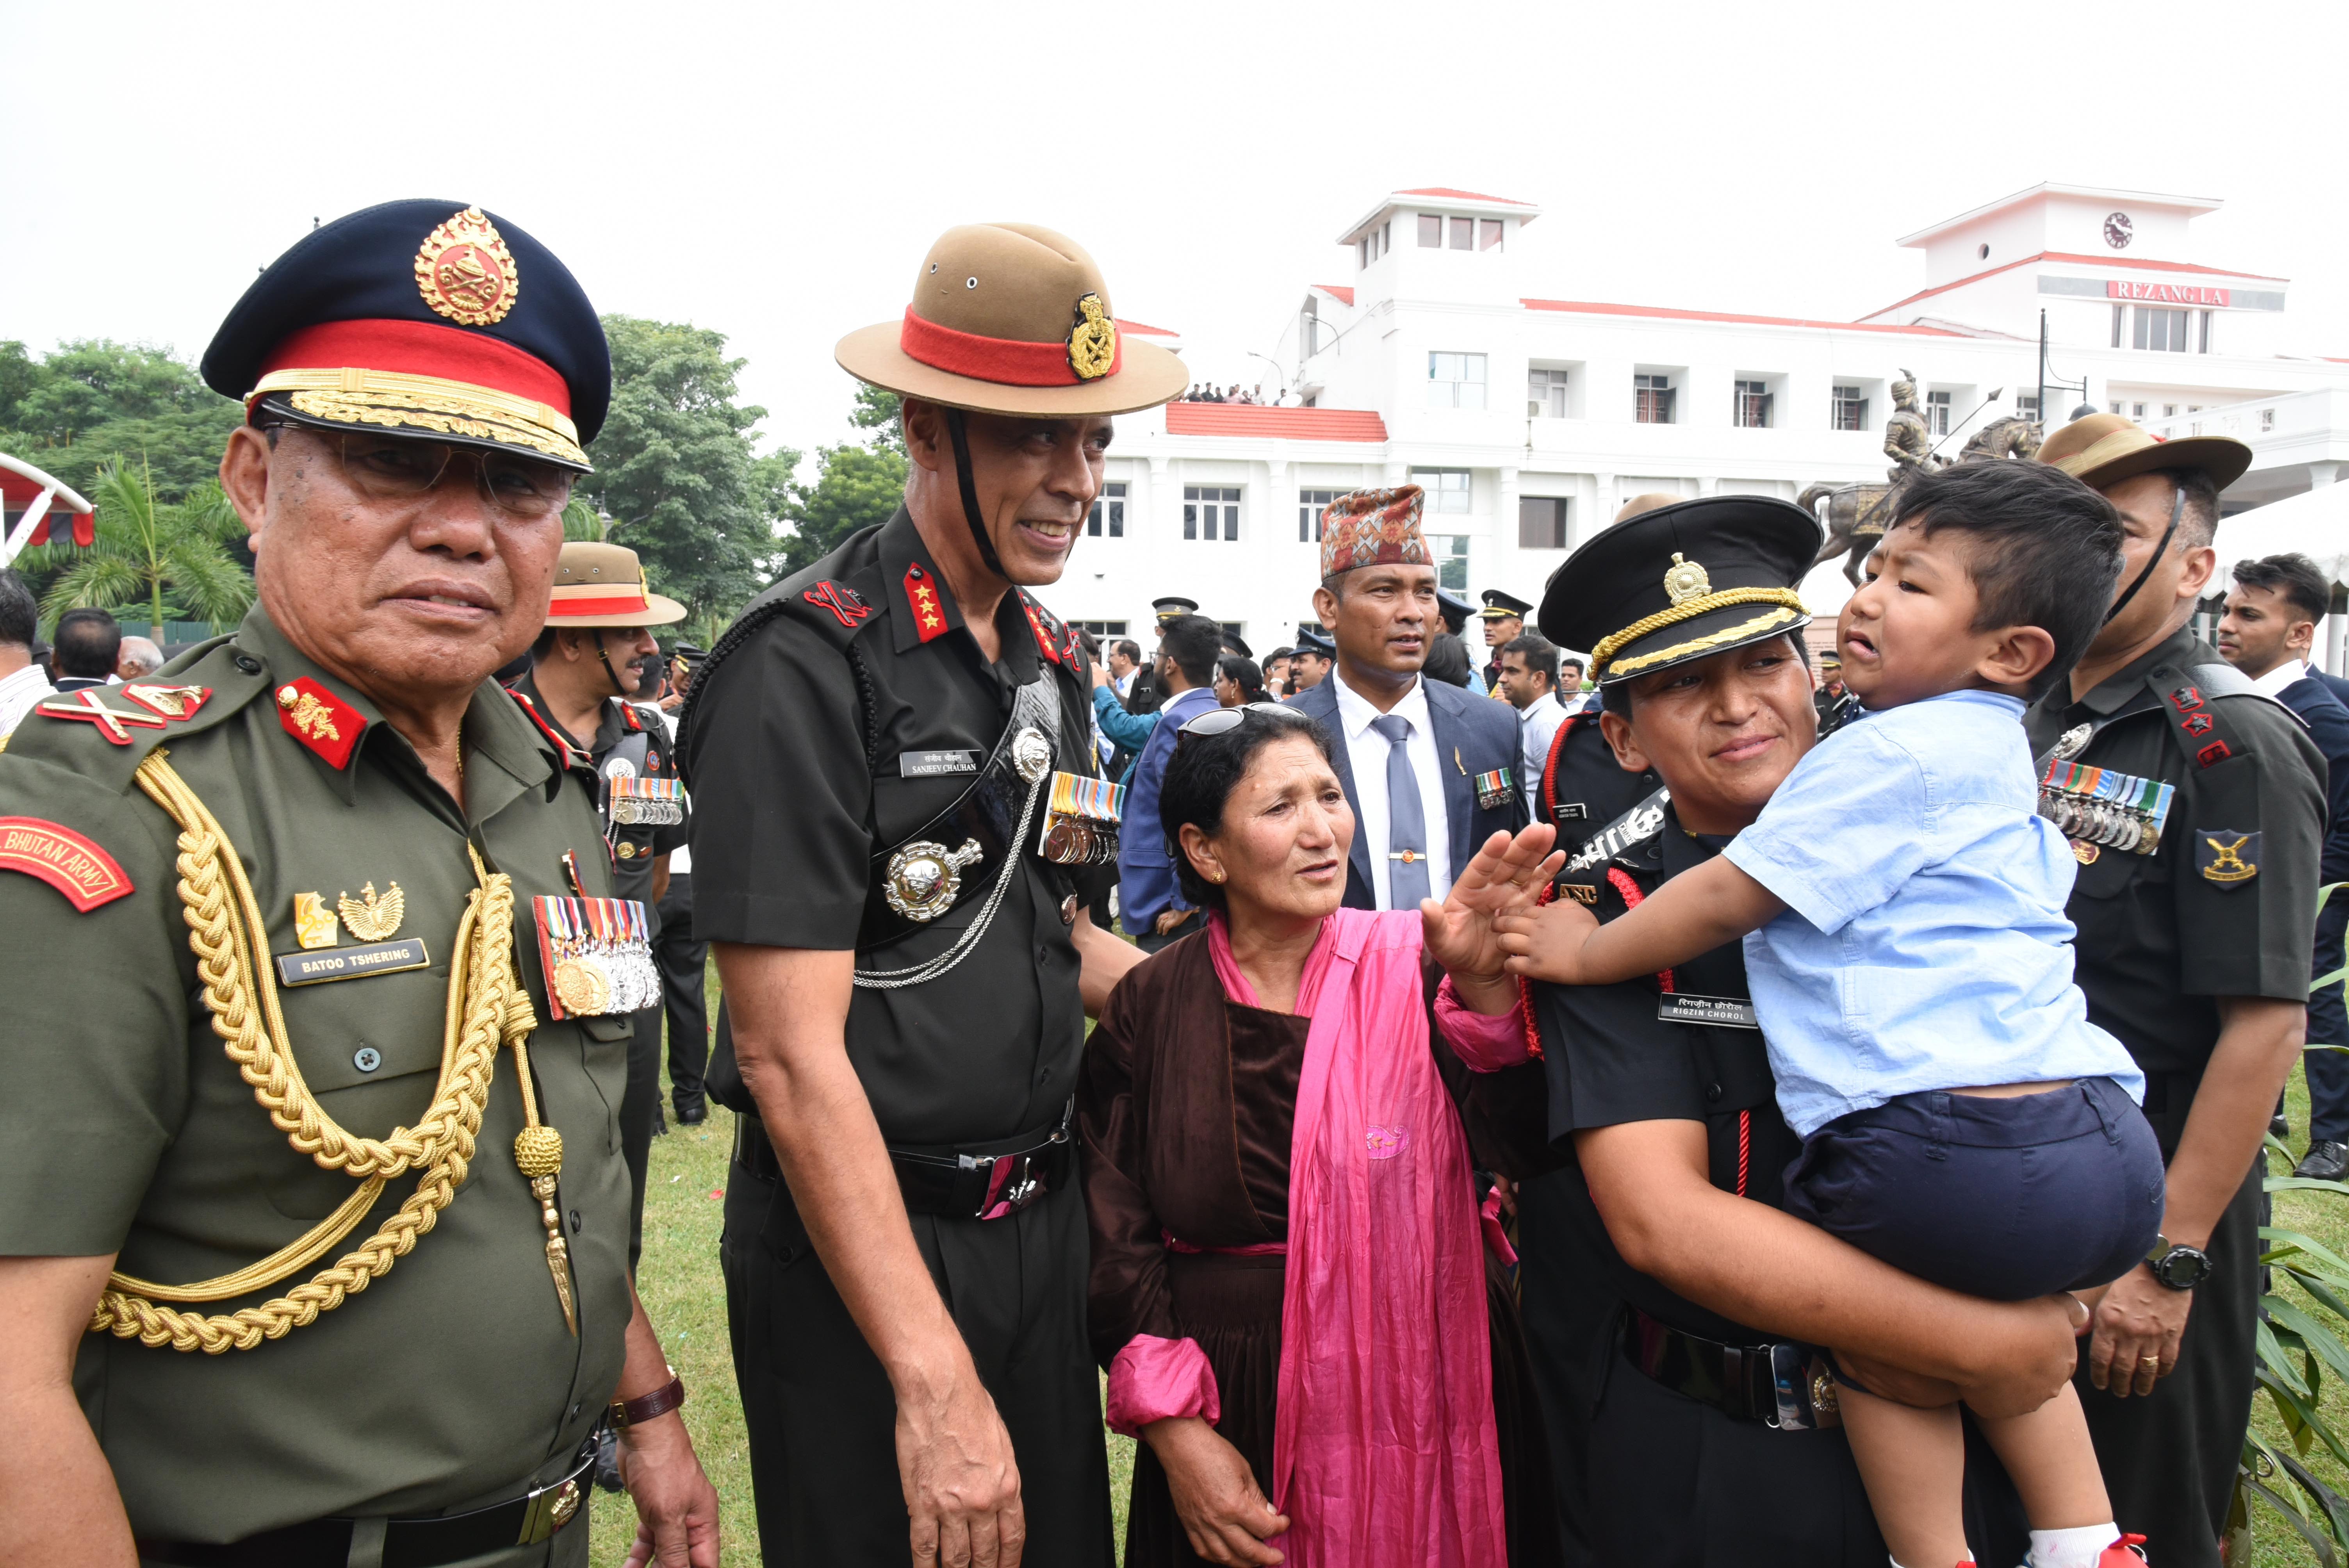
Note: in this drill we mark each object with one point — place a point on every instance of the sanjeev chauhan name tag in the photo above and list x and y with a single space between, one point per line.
316 965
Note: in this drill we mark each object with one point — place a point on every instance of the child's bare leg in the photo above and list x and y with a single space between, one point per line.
1913 1463
2054 1464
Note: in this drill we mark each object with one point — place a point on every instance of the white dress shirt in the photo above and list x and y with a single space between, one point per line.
1366 751
2288 672
19 693
1538 723
680 859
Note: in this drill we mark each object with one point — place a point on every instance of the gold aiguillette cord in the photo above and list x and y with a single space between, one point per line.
538 1150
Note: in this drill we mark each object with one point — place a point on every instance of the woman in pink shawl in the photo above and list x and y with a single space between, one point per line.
1290 1281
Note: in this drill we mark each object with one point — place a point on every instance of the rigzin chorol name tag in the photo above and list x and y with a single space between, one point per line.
1725 1012
312 965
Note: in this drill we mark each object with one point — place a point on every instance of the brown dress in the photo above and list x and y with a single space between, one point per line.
1185 1108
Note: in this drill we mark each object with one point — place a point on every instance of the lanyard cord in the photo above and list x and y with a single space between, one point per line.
958 433
2177 515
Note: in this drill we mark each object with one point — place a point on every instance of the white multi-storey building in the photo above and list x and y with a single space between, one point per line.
1529 419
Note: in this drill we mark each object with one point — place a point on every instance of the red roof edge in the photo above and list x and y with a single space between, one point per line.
1588 308
2138 263
1143 329
1446 191
1289 424
1338 292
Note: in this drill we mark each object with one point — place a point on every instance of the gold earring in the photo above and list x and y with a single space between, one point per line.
1215 877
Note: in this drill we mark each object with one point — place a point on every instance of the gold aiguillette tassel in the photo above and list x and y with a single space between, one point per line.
538 1150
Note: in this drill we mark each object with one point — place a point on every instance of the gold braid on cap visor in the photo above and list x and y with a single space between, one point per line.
1789 604
396 400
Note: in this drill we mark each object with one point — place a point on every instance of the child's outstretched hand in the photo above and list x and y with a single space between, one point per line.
1545 943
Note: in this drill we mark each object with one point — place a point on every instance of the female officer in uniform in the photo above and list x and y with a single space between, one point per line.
873 748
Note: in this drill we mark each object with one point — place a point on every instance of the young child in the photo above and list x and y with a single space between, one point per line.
1901 903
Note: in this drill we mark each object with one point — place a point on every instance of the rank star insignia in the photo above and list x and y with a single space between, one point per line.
1686 580
110 721
922 596
465 273
373 918
1092 341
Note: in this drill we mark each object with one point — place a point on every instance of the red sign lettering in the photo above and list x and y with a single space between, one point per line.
2166 293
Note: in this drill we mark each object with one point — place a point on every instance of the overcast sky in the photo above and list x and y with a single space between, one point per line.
777 171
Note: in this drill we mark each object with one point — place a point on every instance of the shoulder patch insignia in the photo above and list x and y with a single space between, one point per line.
563 748
168 701
1047 642
65 860
2225 856
320 720
629 717
846 605
110 722
922 600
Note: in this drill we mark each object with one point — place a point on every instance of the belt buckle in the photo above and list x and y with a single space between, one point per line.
548 1509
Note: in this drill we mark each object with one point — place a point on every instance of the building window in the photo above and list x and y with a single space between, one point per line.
2026 406
2120 313
1545 394
1109 512
1455 381
2267 421
1541 522
1653 400
1850 412
1937 412
1310 503
1753 410
2139 414
1104 628
1448 489
1463 234
2169 410
1211 511
1450 553
1236 630
1488 234
2161 329
2206 333
1431 231
1377 242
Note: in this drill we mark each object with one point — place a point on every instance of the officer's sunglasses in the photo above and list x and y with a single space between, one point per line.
1224 720
397 467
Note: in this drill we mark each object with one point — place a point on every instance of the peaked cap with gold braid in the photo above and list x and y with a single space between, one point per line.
1682 583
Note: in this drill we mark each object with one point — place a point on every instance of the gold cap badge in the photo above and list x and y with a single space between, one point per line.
465 272
1686 580
1092 341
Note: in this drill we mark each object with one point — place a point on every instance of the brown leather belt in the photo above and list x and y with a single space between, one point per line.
405 1543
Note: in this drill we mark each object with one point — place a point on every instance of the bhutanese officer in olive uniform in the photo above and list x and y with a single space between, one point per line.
601 608
1686 1375
890 755
306 886
2196 808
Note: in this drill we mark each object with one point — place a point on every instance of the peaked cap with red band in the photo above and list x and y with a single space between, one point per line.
1009 318
598 584
1373 527
426 318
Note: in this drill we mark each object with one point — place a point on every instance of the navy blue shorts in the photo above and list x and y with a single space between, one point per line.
2007 1199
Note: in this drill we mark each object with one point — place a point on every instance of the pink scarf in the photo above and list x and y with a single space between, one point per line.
1383 1447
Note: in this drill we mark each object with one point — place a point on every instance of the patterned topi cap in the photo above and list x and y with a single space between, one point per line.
1373 527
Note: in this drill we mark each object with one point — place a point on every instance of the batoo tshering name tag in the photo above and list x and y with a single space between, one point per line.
1725 1012
310 967
931 764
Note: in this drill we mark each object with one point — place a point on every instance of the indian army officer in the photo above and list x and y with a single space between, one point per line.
891 764
600 608
2195 810
305 887
1504 622
1701 1413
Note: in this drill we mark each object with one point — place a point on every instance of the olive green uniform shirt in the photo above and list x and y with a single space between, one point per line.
450 1383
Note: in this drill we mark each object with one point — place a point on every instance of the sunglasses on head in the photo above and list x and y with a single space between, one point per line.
1224 720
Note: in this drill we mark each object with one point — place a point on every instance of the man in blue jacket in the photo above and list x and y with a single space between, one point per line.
1151 912
2268 631
1430 769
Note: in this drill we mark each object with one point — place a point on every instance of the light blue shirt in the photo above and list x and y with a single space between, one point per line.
1924 944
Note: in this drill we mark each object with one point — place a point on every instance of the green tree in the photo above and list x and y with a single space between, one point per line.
171 558
855 487
95 402
674 465
875 409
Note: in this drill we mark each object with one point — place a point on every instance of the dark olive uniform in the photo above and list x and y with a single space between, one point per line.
1686 1461
451 1382
2161 937
630 741
846 709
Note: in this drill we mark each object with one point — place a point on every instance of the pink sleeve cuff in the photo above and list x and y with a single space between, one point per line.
1155 1379
1484 1042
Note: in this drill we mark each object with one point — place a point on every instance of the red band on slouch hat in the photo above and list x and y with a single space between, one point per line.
1008 362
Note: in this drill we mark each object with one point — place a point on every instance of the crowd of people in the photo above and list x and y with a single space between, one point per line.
1206 392
1648 1095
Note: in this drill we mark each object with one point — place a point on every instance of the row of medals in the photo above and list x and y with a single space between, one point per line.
593 977
2105 822
1075 841
637 812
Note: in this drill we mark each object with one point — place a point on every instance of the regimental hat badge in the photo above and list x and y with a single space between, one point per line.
465 272
1092 341
1685 580
373 917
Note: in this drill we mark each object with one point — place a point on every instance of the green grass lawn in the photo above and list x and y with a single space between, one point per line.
679 1282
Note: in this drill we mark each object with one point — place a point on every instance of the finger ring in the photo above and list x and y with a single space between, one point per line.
2148 1360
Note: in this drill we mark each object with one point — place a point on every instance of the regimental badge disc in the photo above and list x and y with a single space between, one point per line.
1686 580
2084 852
2074 741
1092 341
465 273
1031 753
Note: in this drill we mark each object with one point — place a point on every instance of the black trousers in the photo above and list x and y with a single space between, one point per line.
2328 1025
1570 1316
2169 1458
682 963
639 1104
819 1410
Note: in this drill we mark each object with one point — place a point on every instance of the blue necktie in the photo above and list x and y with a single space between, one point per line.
1406 819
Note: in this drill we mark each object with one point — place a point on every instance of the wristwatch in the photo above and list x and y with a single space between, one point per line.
2176 1265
